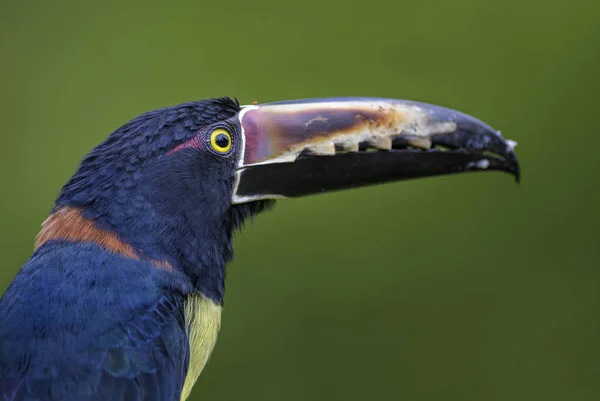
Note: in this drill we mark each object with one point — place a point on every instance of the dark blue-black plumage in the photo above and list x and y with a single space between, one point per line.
126 182
81 323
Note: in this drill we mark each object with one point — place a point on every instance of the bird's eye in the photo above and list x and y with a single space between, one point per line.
220 140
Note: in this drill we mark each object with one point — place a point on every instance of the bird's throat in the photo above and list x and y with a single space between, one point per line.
202 323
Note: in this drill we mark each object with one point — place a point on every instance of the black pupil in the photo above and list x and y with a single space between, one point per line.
222 140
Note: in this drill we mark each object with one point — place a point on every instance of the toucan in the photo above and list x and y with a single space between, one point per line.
121 299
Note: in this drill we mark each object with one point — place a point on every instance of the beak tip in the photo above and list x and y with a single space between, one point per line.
512 165
514 162
517 172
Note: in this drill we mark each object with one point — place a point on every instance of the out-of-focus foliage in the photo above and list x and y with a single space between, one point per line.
454 288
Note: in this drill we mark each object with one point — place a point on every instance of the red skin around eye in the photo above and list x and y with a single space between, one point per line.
196 142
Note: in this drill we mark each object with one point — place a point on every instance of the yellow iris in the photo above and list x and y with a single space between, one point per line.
220 140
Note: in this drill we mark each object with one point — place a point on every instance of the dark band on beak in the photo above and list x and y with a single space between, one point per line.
304 147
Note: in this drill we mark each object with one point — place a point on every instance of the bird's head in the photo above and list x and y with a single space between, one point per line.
173 184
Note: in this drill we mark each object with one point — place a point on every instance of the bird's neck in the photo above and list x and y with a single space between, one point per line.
68 224
174 209
174 243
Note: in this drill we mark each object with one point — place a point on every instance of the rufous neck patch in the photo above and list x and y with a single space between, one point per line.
69 224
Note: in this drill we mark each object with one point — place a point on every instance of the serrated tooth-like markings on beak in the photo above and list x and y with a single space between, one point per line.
380 142
419 142
281 132
346 146
325 148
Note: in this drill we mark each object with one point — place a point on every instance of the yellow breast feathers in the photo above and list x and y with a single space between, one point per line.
202 323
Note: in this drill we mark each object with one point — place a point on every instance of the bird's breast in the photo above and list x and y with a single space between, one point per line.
203 320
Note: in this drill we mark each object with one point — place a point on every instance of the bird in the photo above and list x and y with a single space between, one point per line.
121 298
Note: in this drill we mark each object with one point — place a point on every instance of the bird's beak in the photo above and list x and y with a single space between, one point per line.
303 147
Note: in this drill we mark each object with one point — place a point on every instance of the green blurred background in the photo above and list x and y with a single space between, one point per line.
455 288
